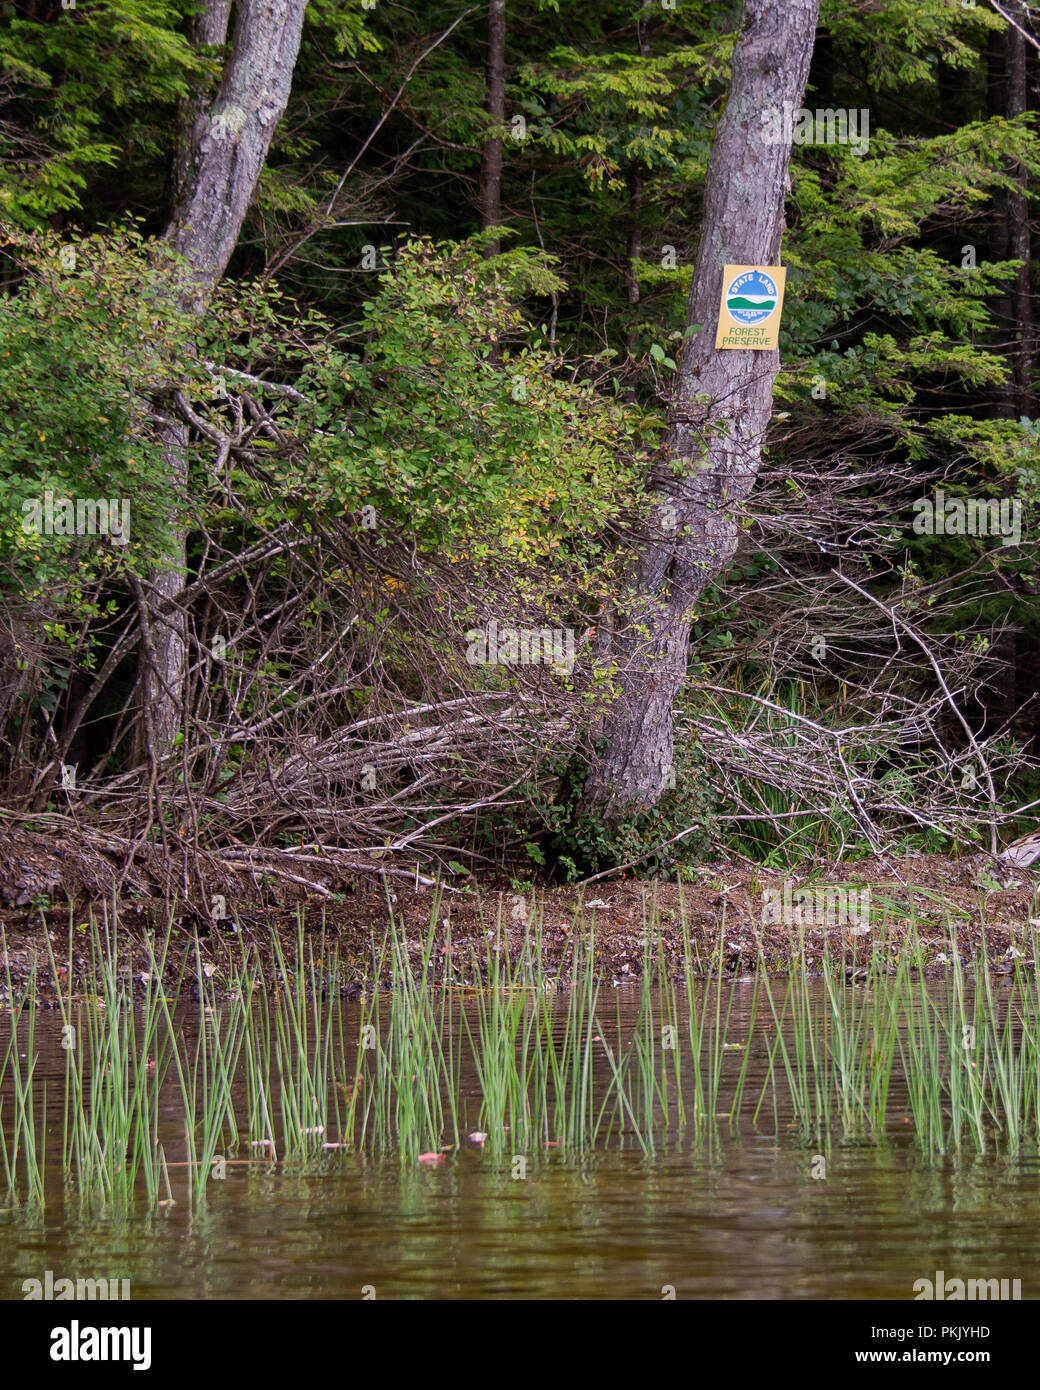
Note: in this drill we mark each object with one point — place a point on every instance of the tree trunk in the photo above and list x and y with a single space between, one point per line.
1012 307
717 418
1019 239
490 190
1012 311
222 152
229 139
207 29
633 289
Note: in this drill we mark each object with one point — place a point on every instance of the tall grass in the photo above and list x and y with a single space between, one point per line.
26 1153
159 1092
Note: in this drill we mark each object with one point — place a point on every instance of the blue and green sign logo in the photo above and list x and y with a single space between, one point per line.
752 297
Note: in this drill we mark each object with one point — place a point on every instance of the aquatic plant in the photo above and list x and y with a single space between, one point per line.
204 1067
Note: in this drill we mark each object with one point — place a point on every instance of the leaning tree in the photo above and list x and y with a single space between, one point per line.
221 151
717 417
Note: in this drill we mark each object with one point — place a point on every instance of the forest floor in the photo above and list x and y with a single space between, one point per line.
930 904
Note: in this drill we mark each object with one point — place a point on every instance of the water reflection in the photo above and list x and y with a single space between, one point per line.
744 1213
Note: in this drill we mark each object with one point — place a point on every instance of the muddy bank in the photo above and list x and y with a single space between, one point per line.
970 905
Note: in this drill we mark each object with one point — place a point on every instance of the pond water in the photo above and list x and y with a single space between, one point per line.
744 1211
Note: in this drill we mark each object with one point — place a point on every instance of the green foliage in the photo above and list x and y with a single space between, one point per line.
493 411
504 456
85 344
480 456
84 87
902 42
659 841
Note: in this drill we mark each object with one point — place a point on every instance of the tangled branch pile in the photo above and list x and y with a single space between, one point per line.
398 555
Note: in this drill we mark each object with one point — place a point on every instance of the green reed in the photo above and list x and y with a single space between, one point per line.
27 1150
206 1067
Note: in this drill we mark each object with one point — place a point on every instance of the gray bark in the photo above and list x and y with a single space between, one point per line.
717 418
229 138
207 29
216 169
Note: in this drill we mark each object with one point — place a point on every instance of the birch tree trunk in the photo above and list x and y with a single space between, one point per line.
717 418
222 151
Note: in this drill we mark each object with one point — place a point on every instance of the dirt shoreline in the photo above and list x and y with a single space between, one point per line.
981 906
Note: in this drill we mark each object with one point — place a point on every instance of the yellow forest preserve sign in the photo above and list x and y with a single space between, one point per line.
752 298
